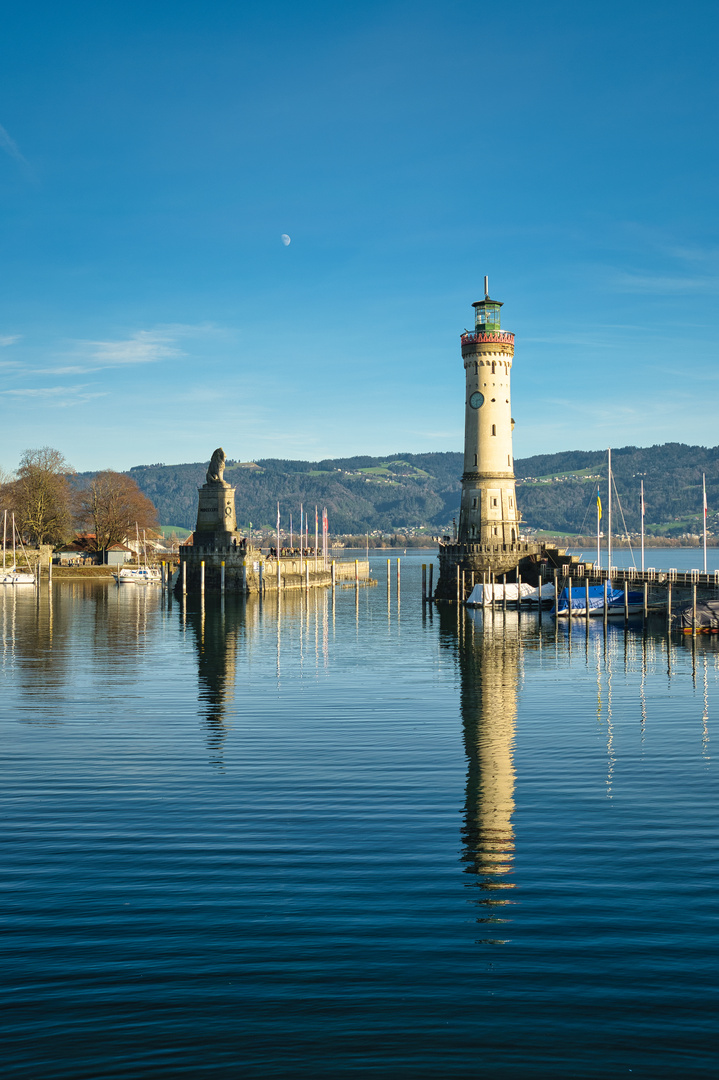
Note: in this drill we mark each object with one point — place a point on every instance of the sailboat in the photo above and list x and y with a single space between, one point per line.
592 597
10 575
141 574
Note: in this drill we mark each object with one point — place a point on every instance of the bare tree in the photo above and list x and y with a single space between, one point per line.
111 505
42 497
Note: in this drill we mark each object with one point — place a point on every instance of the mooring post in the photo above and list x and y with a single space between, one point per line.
244 575
397 580
202 577
388 579
222 577
472 579
424 583
356 573
307 575
519 592
464 588
586 598
606 601
429 591
279 572
456 570
504 592
49 571
334 574
694 610
669 605
556 589
569 597
626 601
645 601
184 577
262 576
162 574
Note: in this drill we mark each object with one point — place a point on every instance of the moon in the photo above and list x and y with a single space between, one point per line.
285 239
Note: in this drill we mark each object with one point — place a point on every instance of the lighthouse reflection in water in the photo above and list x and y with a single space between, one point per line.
488 653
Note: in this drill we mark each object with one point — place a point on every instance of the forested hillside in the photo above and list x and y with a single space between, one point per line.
556 492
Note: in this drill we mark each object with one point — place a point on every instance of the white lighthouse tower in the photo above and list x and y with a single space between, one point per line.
488 536
488 513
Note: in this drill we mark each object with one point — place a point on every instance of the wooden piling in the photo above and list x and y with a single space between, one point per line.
669 605
431 574
645 601
222 577
334 573
569 596
606 601
626 601
356 573
184 577
202 577
424 583
586 598
504 592
694 610
457 575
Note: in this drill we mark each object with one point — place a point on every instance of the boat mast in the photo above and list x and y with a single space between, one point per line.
4 538
13 540
642 509
704 507
609 511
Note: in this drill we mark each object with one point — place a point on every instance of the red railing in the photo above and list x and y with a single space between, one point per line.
489 336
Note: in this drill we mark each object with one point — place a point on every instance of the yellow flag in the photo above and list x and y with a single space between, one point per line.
599 508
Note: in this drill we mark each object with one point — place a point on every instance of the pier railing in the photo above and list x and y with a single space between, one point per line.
580 571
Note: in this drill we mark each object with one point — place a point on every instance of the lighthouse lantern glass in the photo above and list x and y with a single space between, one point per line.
487 317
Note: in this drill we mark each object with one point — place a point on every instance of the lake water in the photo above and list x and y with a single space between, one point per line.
346 839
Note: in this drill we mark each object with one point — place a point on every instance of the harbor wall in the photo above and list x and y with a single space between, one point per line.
248 570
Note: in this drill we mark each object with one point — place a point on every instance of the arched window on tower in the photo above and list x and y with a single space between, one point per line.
494 366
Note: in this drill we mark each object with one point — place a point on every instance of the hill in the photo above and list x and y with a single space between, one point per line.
556 492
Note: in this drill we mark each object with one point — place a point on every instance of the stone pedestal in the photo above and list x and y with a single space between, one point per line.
216 520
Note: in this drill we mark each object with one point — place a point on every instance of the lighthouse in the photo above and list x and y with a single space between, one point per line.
487 541
488 513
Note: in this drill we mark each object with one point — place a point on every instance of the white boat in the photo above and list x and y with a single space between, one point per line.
482 595
10 575
139 575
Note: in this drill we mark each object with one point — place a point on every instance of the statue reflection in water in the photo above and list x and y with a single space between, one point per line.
216 628
488 653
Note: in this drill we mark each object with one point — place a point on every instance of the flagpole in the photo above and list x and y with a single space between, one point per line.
704 503
642 497
609 512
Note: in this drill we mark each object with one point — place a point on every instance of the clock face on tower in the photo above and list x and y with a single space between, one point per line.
476 400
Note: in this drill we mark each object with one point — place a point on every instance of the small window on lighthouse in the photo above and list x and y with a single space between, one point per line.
474 504
494 429
475 459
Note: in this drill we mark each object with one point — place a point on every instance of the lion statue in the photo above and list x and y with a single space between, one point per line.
217 467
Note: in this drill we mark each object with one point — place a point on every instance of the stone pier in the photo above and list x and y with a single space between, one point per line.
217 546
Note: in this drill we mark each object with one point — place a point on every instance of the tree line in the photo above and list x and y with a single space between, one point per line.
52 504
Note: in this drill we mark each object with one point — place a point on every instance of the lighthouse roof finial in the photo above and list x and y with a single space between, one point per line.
486 287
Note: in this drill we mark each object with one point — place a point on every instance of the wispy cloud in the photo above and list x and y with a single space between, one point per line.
664 283
143 347
57 396
8 339
11 147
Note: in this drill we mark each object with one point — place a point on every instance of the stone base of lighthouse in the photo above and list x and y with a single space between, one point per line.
458 562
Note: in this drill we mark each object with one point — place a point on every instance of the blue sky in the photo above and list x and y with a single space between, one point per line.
152 154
